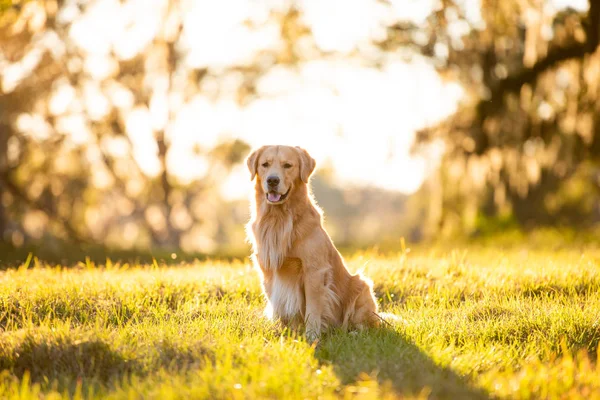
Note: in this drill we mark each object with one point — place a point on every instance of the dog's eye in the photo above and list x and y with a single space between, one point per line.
265 164
287 165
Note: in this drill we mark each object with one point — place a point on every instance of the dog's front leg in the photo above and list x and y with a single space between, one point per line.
314 287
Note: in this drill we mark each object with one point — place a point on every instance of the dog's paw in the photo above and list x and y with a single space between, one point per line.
312 337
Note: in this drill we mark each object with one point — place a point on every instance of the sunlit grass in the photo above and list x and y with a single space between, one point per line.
476 323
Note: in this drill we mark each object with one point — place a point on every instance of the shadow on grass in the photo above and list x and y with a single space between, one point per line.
69 255
61 363
50 360
393 359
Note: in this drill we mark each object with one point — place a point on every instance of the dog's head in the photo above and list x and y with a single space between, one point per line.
279 169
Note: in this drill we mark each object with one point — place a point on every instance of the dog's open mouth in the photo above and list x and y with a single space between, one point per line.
274 197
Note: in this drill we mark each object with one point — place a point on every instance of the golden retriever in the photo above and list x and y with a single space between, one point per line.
303 275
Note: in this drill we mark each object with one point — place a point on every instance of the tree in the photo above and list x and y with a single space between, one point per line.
91 188
526 133
528 128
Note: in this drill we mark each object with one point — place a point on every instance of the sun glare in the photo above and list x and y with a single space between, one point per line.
335 109
356 118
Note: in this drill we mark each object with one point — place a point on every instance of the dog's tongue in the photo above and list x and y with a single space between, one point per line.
274 197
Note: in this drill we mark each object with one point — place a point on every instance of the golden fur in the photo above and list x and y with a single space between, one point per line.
303 275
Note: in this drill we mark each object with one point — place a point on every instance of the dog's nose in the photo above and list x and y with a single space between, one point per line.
272 181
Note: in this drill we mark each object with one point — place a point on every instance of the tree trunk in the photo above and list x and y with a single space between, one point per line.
5 132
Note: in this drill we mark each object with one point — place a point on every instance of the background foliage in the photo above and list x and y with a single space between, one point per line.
521 150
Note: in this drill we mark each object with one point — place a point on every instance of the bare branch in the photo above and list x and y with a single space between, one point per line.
556 55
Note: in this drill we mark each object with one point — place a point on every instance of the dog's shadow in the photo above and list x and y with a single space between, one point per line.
394 360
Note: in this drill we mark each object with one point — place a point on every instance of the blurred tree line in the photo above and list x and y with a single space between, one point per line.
57 186
524 147
524 144
69 173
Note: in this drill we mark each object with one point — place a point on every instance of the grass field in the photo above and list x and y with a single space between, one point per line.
481 323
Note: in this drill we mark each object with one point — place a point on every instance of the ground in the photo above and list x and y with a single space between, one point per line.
474 322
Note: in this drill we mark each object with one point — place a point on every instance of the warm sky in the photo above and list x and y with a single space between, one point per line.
358 119
341 111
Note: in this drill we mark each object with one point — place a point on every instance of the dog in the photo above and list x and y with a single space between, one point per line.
303 275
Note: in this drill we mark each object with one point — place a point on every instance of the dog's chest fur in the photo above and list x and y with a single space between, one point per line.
284 276
285 291
273 239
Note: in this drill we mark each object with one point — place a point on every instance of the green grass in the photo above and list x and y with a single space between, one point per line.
487 322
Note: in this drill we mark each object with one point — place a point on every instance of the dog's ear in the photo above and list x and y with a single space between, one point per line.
252 161
307 164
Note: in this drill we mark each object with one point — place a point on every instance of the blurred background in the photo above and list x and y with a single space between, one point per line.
124 124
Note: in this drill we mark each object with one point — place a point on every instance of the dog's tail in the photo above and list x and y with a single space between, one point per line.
390 319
